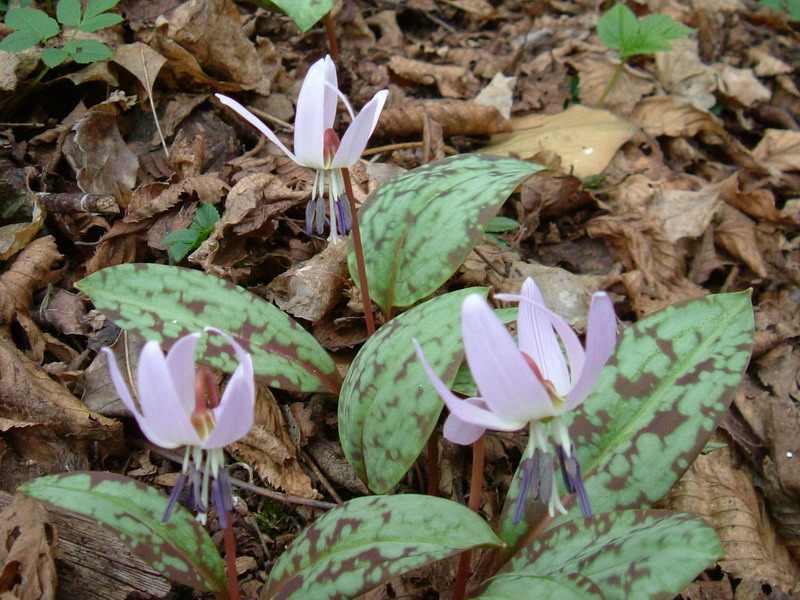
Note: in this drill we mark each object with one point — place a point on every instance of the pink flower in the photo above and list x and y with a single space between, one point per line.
316 144
533 384
178 407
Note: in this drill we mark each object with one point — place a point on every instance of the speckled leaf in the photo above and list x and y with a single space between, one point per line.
418 228
179 549
305 13
366 541
647 555
163 303
558 586
388 408
656 404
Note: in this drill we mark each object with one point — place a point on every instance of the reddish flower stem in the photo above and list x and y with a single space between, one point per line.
230 560
327 20
362 269
475 487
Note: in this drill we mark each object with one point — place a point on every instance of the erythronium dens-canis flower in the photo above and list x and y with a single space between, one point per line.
531 384
178 407
317 146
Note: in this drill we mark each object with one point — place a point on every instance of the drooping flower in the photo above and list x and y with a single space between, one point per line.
178 407
533 384
316 144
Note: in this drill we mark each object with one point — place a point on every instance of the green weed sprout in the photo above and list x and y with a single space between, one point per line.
620 30
33 27
183 241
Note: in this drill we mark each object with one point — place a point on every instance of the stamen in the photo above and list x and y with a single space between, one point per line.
530 482
309 216
173 497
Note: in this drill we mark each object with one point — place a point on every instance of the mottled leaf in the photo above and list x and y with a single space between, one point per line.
558 586
367 541
162 303
179 549
648 555
655 405
388 407
419 227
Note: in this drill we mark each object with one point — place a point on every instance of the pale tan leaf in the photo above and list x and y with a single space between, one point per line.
28 551
585 138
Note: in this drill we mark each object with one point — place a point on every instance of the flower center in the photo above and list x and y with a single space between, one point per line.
205 399
557 400
330 144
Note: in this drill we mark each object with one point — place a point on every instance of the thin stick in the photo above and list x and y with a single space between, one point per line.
475 487
230 560
362 269
327 20
324 480
433 464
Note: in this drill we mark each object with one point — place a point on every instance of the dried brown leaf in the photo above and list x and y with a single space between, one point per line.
29 272
453 81
457 117
15 236
155 198
721 492
779 150
27 552
268 447
737 234
595 72
310 289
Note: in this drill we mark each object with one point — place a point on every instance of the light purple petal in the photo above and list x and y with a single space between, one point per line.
331 93
463 409
601 338
461 432
310 119
180 362
255 122
537 339
505 380
571 342
357 135
119 382
234 415
162 412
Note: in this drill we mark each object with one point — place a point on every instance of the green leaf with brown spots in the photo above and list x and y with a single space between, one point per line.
654 407
418 228
364 542
388 407
647 555
179 549
163 303
555 587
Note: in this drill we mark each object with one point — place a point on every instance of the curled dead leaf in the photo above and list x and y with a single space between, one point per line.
737 234
29 272
453 81
457 117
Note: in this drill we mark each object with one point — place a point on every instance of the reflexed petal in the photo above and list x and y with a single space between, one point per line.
180 362
119 383
357 135
255 122
309 120
163 415
506 382
461 432
601 338
538 340
463 409
571 342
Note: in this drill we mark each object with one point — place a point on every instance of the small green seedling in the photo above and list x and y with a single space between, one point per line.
620 30
33 27
183 241
304 13
790 6
500 225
